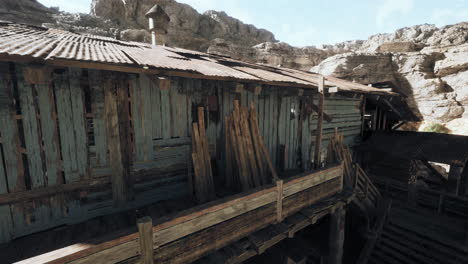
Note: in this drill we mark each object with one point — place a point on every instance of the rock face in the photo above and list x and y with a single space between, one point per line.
25 11
187 28
427 64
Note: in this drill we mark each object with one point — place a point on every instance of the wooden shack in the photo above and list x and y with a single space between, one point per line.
92 126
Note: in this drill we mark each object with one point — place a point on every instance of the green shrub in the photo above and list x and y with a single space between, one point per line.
436 128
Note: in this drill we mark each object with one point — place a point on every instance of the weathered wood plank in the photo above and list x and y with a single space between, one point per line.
146 112
306 181
166 113
117 123
32 132
154 93
97 108
6 223
174 232
70 113
9 130
79 122
50 137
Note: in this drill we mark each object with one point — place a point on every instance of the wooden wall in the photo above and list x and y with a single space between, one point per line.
71 128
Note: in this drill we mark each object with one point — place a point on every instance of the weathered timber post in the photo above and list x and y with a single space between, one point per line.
117 118
454 179
318 136
145 232
336 238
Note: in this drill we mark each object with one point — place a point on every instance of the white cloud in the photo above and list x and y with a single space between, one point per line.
442 17
389 11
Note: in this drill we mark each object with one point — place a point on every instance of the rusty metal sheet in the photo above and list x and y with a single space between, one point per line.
51 44
165 58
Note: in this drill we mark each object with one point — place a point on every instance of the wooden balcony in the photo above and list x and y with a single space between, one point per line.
188 235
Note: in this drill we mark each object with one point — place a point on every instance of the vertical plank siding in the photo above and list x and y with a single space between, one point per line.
32 132
8 132
11 143
142 138
99 126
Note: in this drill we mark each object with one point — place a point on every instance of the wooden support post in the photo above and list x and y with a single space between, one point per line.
374 119
454 179
363 114
145 232
440 206
279 201
337 232
356 176
118 135
464 181
318 136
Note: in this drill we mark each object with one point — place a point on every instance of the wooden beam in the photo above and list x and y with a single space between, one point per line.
23 196
118 138
318 136
337 233
145 231
326 116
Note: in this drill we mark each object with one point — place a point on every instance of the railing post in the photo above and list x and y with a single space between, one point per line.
366 191
356 176
279 201
440 206
145 231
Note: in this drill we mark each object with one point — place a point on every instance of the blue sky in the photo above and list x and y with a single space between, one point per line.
314 22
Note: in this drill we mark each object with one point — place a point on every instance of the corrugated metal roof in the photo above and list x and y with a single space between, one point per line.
53 44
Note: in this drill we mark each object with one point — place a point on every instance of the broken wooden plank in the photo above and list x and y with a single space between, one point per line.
264 149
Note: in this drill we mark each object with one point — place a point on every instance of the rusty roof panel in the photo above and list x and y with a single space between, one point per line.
167 58
55 44
270 75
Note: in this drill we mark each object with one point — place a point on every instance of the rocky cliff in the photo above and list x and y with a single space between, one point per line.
426 63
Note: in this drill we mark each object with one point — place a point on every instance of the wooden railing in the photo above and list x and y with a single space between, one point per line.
192 233
365 185
436 201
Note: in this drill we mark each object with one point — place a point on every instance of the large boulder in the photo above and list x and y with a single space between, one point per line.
452 63
358 67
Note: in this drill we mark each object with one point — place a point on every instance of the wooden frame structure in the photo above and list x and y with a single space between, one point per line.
191 234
